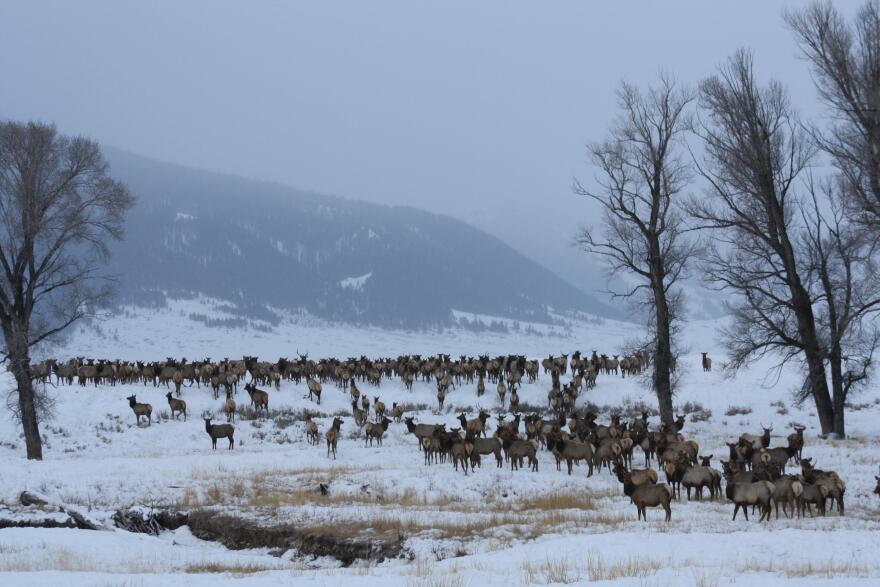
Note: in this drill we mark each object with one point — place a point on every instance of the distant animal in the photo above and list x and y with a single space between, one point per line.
176 405
145 410
315 389
311 430
229 406
216 431
332 436
259 398
707 362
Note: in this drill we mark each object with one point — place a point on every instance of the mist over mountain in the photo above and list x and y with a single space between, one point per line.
263 245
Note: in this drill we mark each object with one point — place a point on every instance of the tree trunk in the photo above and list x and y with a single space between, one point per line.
819 390
663 344
839 398
20 363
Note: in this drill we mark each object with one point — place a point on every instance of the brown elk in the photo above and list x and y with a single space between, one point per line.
176 405
332 436
707 362
145 410
216 431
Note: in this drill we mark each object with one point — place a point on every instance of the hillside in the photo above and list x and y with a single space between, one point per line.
262 245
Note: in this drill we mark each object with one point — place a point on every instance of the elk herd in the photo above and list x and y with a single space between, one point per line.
753 474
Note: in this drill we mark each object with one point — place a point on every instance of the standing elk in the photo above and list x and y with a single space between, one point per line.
332 436
259 398
176 405
216 431
707 362
145 410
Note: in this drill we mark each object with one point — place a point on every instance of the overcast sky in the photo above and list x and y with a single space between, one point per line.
477 109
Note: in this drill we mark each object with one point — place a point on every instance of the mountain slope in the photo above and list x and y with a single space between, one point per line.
262 245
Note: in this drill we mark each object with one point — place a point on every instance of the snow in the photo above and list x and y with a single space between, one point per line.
183 216
481 525
355 283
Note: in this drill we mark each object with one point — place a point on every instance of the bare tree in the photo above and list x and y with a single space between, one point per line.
640 176
57 208
845 59
755 151
845 289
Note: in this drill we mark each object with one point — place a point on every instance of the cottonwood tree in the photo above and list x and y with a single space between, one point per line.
58 207
845 59
754 154
640 175
846 292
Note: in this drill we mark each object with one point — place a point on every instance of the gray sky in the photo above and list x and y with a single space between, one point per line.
476 109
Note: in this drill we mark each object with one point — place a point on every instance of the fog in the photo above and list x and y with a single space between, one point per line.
480 110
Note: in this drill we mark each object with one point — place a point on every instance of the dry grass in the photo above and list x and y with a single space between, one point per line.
236 569
594 568
828 569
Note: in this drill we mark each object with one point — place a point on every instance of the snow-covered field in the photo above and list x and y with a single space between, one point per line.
492 527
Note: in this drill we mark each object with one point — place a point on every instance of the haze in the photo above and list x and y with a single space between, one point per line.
479 110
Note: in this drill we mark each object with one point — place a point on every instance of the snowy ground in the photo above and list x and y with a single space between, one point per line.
493 527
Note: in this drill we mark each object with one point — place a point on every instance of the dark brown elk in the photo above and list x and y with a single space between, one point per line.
216 431
707 362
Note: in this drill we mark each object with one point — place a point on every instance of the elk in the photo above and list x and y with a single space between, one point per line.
481 386
379 408
486 446
332 436
756 442
441 396
829 479
176 405
514 399
877 488
397 411
359 415
315 389
311 430
812 494
787 489
477 426
517 450
707 362
229 406
216 431
376 431
637 476
698 477
743 495
259 398
647 495
796 441
145 410
502 391
571 451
